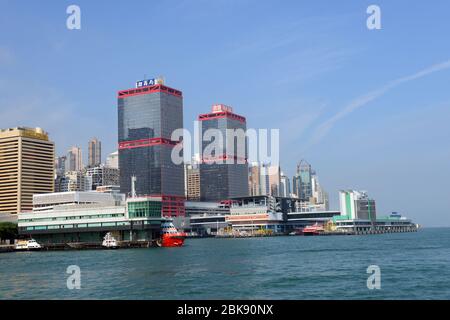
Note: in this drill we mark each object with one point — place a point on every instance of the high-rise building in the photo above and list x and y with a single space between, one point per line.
60 165
94 152
285 186
254 180
224 170
307 188
103 176
147 117
73 181
74 159
357 205
192 182
26 167
302 184
112 160
264 180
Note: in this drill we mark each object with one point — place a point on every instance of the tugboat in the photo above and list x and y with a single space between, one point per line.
170 236
313 230
109 241
28 245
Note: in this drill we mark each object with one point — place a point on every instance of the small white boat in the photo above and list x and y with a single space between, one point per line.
28 245
109 241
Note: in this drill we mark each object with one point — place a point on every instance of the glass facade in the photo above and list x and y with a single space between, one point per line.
144 209
221 181
146 119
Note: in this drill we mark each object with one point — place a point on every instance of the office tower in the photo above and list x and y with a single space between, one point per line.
307 188
94 152
73 181
357 205
302 184
285 186
274 180
264 180
103 176
26 167
254 180
112 160
224 172
60 165
192 182
74 159
147 117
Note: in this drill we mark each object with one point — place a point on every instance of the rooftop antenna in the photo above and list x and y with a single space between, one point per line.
133 186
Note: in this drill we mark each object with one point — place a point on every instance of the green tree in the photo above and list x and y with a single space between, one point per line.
8 230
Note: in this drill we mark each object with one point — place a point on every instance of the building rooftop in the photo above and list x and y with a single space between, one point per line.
35 133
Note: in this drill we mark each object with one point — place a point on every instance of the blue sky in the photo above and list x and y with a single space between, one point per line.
368 109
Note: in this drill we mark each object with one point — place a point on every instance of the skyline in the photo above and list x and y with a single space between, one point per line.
316 67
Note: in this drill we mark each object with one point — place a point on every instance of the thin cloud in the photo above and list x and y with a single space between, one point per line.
323 129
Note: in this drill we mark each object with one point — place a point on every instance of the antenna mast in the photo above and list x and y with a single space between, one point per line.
133 186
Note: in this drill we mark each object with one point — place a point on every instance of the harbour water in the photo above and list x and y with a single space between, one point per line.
413 266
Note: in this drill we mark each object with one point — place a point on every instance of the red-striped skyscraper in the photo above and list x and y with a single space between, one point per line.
147 116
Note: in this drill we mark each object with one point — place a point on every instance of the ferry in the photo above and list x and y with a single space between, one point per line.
313 230
109 241
170 236
28 245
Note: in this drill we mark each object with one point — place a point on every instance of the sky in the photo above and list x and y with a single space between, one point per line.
369 109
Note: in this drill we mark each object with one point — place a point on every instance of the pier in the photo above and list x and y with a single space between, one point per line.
83 246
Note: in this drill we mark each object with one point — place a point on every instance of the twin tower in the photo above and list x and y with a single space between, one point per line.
147 116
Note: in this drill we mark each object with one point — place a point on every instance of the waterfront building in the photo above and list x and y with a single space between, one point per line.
357 205
224 174
108 189
74 217
147 117
386 224
74 160
205 218
359 215
260 213
112 160
192 182
102 175
26 167
301 219
94 152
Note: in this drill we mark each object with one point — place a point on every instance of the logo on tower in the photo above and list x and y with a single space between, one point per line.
149 82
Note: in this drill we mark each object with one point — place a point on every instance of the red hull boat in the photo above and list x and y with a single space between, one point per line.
313 230
171 237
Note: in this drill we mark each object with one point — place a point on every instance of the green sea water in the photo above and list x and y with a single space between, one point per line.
412 265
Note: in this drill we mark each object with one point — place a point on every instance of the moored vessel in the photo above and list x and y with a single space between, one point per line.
109 241
313 230
27 245
170 236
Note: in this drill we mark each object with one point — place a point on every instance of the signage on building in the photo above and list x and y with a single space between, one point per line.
149 82
221 108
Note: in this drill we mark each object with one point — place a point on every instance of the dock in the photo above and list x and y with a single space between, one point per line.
83 246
